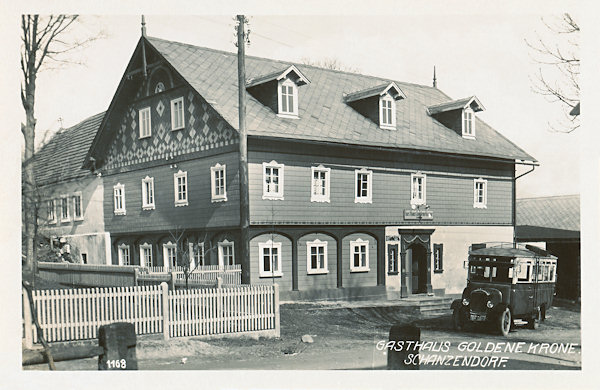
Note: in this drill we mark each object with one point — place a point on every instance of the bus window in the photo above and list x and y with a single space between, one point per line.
523 272
552 268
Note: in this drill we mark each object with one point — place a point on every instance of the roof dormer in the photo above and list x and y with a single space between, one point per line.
458 115
286 83
377 103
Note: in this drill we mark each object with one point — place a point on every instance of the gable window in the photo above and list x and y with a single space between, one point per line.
387 112
272 180
181 192
480 193
51 211
418 188
170 255
363 192
468 123
119 199
226 254
196 255
217 179
145 123
124 258
269 254
316 257
320 184
77 207
438 258
288 99
146 255
64 209
148 193
177 118
84 258
359 252
160 87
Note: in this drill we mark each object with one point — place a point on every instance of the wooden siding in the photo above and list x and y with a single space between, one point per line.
285 281
308 281
200 212
449 192
359 279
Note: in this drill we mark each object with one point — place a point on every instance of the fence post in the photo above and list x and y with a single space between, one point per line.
165 309
27 318
135 276
219 282
173 278
276 304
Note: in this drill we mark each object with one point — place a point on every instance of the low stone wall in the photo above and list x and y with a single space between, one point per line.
86 275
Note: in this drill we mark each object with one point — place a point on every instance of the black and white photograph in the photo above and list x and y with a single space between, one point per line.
306 194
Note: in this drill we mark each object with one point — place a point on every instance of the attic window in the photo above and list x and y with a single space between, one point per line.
468 123
288 99
387 112
159 87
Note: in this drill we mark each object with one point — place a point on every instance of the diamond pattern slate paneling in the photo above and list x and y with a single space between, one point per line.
203 131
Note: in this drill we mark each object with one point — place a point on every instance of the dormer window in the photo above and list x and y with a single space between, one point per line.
468 123
387 112
377 103
288 98
458 115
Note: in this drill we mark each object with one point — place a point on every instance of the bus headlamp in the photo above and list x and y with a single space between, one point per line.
465 302
489 304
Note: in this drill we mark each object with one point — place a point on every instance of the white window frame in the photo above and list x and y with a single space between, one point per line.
194 254
176 176
77 195
369 197
51 210
273 195
316 244
213 187
262 273
142 124
414 200
384 100
143 247
476 203
121 253
294 112
119 210
355 244
174 125
223 244
468 115
148 193
319 197
64 200
166 259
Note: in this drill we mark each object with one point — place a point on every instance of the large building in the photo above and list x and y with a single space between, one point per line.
358 185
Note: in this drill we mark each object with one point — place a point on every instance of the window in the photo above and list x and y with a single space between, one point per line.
64 209
159 87
272 180
146 255
438 258
177 119
84 258
387 112
119 199
269 254
288 99
196 254
51 211
320 184
124 258
169 255
480 193
145 123
148 193
393 259
77 207
226 254
180 182
363 192
468 123
359 252
218 186
316 257
418 188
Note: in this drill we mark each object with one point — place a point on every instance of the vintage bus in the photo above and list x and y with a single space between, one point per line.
506 282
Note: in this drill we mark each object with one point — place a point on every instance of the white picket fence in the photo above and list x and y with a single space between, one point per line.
67 314
231 274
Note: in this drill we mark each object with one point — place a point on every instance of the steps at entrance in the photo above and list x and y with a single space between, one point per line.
429 306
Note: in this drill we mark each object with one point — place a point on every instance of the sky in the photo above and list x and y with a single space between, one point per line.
482 55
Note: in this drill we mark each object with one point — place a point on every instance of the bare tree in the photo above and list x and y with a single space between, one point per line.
558 75
330 63
46 42
187 250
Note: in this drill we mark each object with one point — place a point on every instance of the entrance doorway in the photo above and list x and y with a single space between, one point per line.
419 269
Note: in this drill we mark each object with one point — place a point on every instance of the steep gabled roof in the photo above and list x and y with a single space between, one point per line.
458 104
299 78
62 157
378 90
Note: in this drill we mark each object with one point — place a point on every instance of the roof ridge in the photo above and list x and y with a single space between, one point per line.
551 196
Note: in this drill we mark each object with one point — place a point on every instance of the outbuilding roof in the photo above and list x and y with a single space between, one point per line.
323 115
548 218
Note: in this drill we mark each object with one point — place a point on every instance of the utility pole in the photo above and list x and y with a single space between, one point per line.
243 168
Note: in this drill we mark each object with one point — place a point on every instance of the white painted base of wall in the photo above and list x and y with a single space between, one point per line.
95 245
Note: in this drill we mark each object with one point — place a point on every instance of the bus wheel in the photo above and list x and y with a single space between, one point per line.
534 321
504 321
458 321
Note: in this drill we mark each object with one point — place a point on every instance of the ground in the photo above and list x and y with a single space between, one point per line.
347 337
